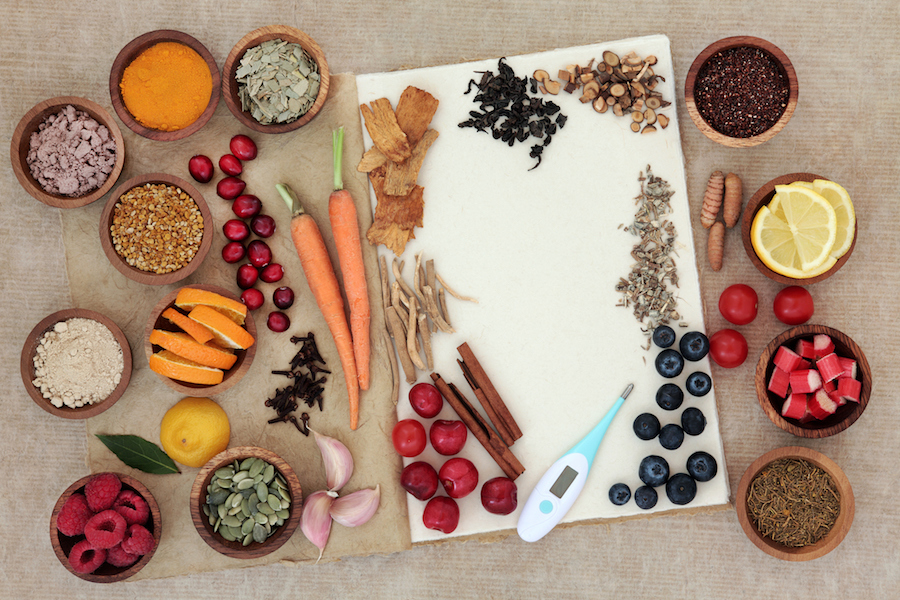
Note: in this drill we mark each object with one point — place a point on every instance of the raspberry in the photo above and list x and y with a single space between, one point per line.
138 540
101 491
105 529
119 558
84 558
73 515
130 505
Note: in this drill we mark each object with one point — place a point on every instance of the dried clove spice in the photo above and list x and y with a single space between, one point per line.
306 386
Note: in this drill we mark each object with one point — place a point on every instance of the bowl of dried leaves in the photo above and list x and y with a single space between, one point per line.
275 79
795 503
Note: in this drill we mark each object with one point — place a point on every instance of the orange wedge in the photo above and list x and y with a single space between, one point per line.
225 331
187 347
189 298
194 329
168 364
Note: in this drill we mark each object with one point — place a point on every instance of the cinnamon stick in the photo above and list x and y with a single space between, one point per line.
483 382
495 418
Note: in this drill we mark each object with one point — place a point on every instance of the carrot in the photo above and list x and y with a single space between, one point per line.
324 286
344 227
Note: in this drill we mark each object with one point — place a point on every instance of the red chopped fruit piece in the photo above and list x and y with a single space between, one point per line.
119 558
805 348
821 405
106 529
74 515
138 540
849 367
822 345
779 382
808 416
84 558
836 398
794 406
829 367
786 359
805 364
805 381
132 506
849 389
829 386
102 490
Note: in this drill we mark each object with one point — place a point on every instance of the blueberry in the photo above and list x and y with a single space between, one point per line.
669 396
671 436
694 345
681 489
653 471
698 384
701 466
646 426
669 363
645 497
692 421
619 494
663 336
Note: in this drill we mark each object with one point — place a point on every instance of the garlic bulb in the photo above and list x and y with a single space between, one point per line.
337 459
356 508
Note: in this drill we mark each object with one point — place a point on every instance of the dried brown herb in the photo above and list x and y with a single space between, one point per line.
305 387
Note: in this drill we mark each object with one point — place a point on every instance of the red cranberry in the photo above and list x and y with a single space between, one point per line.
441 514
459 477
419 479
246 206
247 276
243 147
233 252
236 230
259 254
201 168
263 225
253 298
426 400
272 272
499 495
448 437
230 165
278 322
283 297
230 188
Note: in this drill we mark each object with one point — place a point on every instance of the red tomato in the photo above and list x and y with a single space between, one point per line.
738 304
793 305
728 348
409 437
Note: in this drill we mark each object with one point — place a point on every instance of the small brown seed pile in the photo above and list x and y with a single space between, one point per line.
156 228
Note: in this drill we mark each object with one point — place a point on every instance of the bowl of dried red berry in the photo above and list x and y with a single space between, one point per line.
813 381
740 91
105 527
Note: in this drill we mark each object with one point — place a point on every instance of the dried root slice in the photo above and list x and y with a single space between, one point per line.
712 200
381 123
715 246
734 199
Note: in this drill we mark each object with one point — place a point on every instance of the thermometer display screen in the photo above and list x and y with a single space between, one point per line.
563 482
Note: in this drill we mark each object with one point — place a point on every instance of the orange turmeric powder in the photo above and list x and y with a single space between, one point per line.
167 87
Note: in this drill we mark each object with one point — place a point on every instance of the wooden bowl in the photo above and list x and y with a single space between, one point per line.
823 546
232 375
130 52
106 573
21 142
253 39
845 416
761 198
148 277
26 364
784 65
236 549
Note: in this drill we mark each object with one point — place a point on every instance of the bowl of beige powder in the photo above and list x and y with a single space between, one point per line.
76 363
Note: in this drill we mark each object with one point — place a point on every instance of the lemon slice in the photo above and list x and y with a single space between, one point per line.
839 199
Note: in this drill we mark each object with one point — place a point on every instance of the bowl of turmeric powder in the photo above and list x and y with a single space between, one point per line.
164 85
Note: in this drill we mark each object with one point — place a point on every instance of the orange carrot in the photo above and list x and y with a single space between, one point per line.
324 286
344 227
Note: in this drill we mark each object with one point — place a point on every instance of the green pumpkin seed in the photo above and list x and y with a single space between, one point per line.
245 484
247 462
240 475
253 508
231 521
283 514
217 524
245 508
247 526
279 522
227 535
212 520
285 496
268 474
266 509
257 467
274 501
262 492
261 518
259 533
222 510
273 519
234 510
205 509
218 497
248 539
235 532
225 473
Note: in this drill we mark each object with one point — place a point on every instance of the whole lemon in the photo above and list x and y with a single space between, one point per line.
194 430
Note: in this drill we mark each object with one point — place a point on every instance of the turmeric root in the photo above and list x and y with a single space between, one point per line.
715 246
733 199
712 200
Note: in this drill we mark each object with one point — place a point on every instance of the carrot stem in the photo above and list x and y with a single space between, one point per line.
337 143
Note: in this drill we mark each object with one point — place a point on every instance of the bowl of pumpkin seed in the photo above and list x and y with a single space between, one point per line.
245 502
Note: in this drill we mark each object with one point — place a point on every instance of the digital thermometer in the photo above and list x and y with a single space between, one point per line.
561 485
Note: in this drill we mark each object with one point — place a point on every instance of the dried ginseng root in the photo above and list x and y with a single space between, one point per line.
712 200
715 246
734 198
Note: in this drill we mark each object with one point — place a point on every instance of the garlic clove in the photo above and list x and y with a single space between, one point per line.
315 520
356 508
338 461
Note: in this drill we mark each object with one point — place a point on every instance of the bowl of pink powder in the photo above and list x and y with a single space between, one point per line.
67 152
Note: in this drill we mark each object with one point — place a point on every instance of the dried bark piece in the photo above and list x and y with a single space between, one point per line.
734 198
415 109
371 160
381 123
400 178
715 246
712 200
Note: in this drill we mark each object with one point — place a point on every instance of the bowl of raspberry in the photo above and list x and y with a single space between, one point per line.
105 527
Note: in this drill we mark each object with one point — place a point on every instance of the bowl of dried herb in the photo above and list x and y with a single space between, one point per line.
275 79
740 91
795 503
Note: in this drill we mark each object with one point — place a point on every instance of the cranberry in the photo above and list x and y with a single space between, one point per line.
236 230
419 479
459 477
233 252
272 272
243 147
247 276
283 297
253 298
441 514
499 495
230 188
263 225
426 400
201 168
246 206
278 322
259 254
230 165
448 437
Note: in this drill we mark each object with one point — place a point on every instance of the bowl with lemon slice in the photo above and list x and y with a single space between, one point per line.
799 228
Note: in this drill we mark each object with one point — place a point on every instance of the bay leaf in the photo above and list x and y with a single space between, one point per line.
140 454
